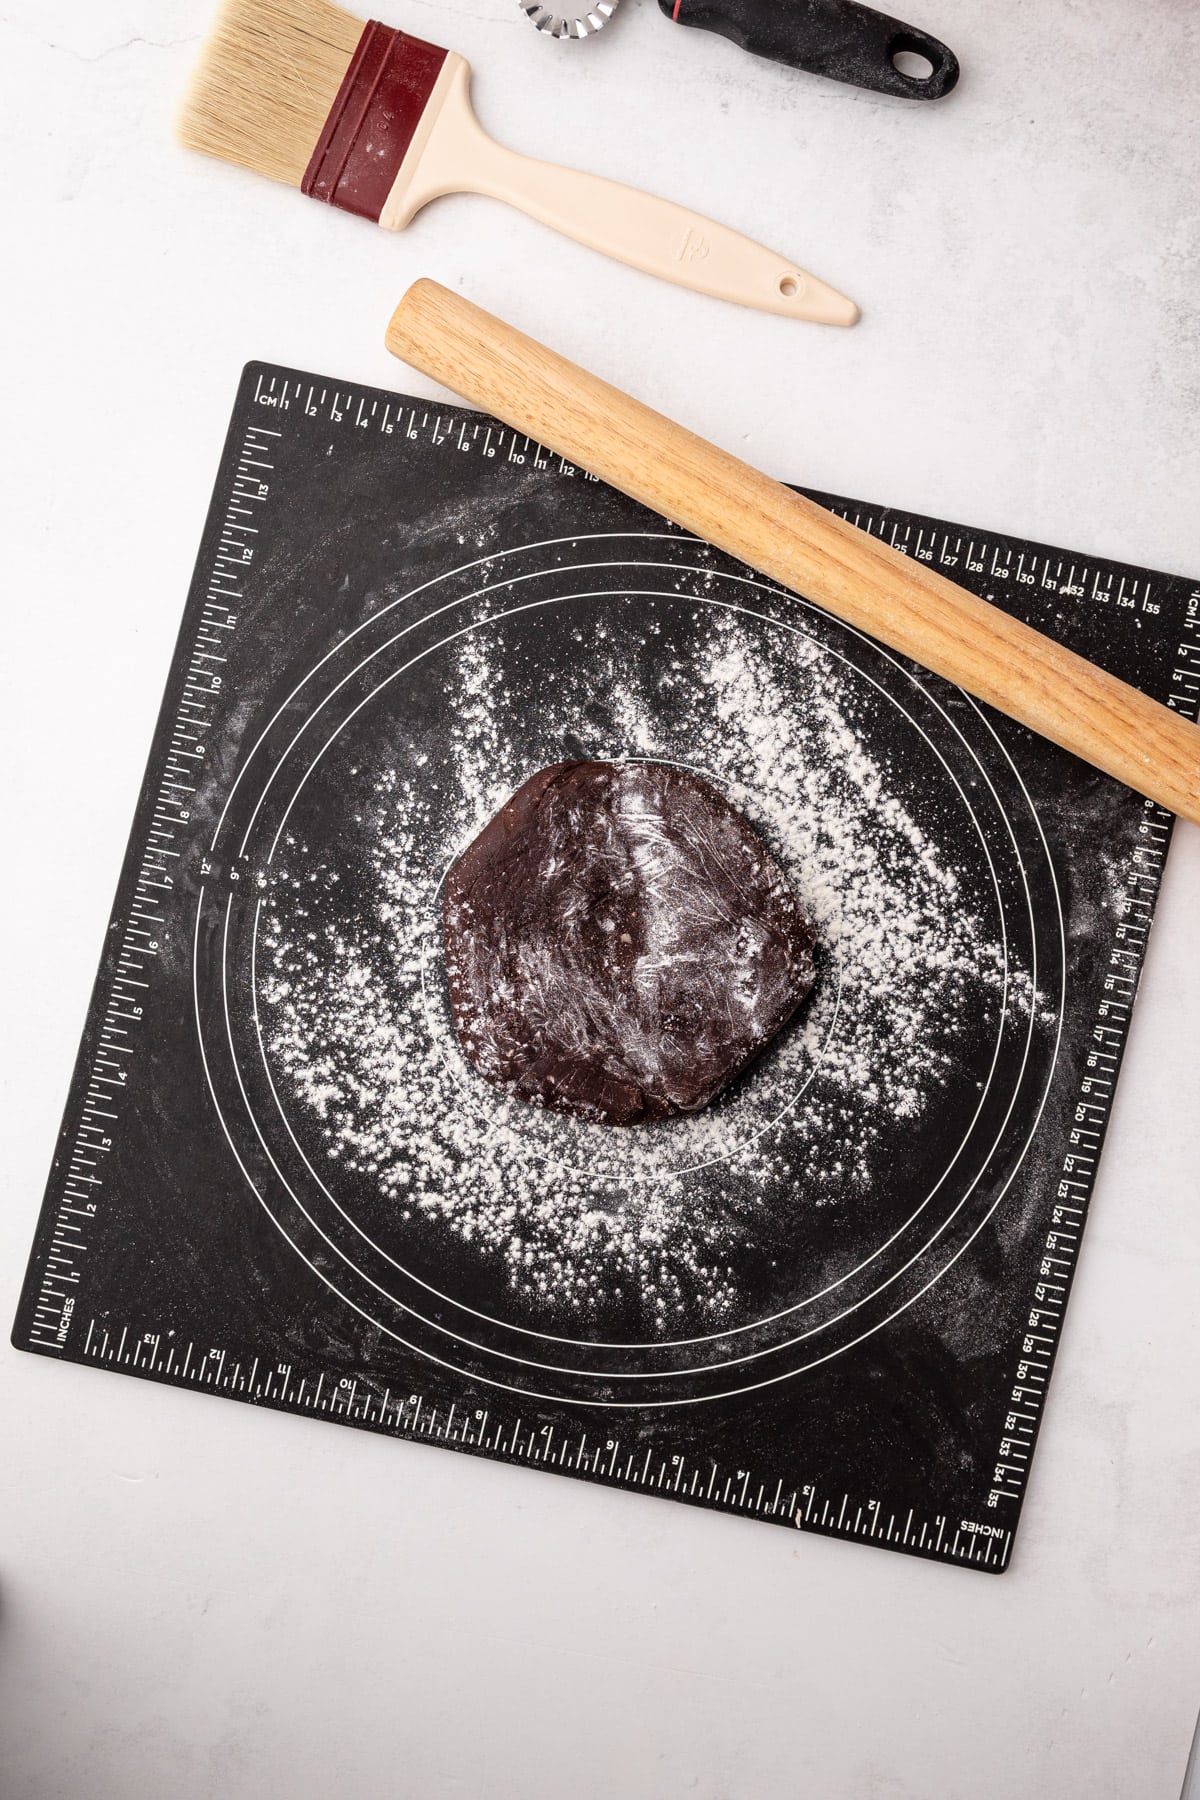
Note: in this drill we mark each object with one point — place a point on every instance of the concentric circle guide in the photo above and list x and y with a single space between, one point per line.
391 656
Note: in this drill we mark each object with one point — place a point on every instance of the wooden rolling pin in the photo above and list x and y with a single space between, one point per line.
797 543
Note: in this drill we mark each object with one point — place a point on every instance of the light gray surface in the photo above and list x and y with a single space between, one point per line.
201 1600
1191 1781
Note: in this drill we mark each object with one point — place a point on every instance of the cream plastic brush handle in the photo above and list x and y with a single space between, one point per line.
451 153
907 605
662 238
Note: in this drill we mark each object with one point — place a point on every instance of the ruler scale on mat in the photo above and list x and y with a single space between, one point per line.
831 1301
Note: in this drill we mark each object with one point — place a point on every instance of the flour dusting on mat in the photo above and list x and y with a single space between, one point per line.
575 1217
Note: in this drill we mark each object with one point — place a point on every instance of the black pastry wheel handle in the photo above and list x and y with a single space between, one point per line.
838 38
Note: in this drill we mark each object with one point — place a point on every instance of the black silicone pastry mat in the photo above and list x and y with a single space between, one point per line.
832 1299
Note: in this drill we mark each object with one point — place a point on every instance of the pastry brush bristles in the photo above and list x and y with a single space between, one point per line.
265 82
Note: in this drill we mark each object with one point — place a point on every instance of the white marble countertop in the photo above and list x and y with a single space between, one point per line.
204 1600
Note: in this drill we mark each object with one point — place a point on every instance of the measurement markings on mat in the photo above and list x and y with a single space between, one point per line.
988 566
1137 889
647 1468
138 931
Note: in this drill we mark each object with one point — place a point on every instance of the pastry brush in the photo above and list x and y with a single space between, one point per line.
379 123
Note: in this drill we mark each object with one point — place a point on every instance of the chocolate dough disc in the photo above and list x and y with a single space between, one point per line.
620 943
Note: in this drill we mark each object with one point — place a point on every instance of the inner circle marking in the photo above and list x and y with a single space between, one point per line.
613 594
625 592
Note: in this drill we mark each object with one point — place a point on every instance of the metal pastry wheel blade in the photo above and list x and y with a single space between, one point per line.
569 25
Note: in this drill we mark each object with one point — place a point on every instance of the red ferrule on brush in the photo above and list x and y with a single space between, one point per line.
372 120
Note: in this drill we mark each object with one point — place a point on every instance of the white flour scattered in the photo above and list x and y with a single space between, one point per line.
575 1214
